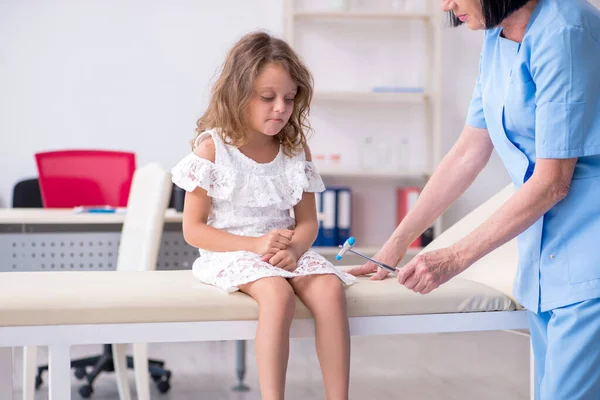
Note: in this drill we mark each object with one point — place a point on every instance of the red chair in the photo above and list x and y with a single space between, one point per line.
71 178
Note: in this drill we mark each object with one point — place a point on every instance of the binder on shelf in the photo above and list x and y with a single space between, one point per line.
328 232
344 214
406 197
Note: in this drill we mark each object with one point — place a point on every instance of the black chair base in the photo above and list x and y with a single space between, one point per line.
104 363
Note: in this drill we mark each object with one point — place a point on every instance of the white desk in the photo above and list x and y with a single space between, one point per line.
63 216
37 239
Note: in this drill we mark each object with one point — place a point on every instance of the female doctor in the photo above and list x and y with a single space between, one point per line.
537 103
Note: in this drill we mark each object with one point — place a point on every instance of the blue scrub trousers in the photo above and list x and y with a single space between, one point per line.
566 348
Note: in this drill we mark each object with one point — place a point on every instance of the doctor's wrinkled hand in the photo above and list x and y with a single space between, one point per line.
428 271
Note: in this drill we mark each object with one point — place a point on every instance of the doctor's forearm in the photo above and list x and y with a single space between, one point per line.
455 173
525 207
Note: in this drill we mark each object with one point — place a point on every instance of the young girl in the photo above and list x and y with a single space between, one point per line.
251 167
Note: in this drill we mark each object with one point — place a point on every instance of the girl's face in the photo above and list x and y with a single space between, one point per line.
272 102
468 11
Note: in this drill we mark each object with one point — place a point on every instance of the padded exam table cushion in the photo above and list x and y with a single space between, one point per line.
110 297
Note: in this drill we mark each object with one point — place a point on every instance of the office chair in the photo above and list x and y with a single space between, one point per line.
177 198
26 194
70 178
138 249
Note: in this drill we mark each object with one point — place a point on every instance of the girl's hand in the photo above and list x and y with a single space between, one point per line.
387 255
284 259
273 242
428 271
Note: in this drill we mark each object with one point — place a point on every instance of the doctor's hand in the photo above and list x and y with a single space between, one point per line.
386 255
428 271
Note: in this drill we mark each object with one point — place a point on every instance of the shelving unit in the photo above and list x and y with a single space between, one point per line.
400 176
360 15
387 97
428 21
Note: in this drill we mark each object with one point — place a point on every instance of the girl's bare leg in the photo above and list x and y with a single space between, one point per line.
277 305
325 297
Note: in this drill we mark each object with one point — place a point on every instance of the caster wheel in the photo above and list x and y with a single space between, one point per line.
38 382
80 373
163 386
86 391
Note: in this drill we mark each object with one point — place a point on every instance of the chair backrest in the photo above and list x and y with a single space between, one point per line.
144 220
26 194
71 178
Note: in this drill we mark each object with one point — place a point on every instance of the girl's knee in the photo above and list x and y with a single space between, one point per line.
333 289
321 290
277 296
329 284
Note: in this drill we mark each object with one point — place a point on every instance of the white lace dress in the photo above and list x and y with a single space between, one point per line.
250 199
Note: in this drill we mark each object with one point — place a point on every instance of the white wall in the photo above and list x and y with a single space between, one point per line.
135 75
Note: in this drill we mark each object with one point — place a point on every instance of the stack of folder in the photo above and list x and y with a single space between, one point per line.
335 207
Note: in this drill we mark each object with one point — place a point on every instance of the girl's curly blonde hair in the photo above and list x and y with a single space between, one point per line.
233 90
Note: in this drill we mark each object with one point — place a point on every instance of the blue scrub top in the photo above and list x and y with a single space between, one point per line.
541 99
